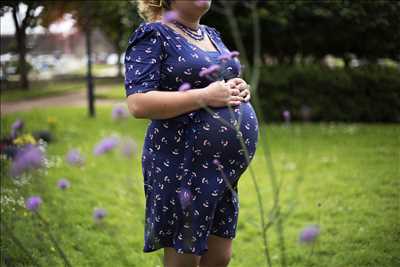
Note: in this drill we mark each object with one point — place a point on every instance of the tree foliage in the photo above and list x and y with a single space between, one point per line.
369 29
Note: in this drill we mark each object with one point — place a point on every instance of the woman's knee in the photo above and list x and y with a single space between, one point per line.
219 252
219 258
218 261
174 259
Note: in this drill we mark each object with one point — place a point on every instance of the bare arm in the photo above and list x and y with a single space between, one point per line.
164 105
157 104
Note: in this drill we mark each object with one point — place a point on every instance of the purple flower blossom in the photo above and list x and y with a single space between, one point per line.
119 112
74 157
286 115
309 234
169 16
129 148
184 87
63 184
33 203
18 124
105 145
99 214
185 197
16 128
210 70
28 157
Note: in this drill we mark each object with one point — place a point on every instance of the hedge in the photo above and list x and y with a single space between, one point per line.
363 94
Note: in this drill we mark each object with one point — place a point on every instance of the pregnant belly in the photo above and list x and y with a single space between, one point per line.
205 138
216 139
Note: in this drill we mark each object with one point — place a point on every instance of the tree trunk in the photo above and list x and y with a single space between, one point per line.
89 77
22 64
118 49
119 64
346 60
20 36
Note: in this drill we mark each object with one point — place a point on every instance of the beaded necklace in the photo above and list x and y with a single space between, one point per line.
197 35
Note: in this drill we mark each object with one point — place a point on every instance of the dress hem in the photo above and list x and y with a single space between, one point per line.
149 250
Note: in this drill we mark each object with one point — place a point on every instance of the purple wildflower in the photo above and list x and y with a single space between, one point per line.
99 214
74 157
18 124
184 87
129 148
185 197
286 115
16 128
28 157
119 112
105 145
169 16
33 203
309 234
210 70
63 184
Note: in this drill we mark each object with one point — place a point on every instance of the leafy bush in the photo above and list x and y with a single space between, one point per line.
365 94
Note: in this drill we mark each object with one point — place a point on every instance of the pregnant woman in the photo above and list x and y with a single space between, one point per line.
192 160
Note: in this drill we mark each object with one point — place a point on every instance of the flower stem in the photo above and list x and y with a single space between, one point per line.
258 193
19 244
53 240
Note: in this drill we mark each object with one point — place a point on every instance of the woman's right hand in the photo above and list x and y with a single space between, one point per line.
220 94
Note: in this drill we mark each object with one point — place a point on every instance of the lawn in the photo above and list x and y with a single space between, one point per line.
348 177
42 89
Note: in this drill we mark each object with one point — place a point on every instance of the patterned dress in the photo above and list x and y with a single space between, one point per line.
187 193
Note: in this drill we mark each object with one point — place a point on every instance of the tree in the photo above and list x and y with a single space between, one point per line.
86 14
116 20
22 22
369 29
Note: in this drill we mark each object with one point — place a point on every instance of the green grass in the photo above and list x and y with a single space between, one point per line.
115 91
42 89
352 170
97 69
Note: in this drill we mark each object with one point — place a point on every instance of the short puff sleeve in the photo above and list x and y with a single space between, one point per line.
143 58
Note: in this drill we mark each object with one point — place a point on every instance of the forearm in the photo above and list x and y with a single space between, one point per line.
164 105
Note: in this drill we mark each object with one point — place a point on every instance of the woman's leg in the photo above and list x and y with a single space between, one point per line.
219 252
174 259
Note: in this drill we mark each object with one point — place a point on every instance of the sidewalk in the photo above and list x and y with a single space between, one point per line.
70 99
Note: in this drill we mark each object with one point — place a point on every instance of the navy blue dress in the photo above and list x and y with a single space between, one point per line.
187 195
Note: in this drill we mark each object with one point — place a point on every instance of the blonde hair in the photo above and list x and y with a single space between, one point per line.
148 10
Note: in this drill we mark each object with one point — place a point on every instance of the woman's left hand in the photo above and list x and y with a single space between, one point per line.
243 87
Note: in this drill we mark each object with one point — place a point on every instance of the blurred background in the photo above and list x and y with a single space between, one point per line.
322 60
